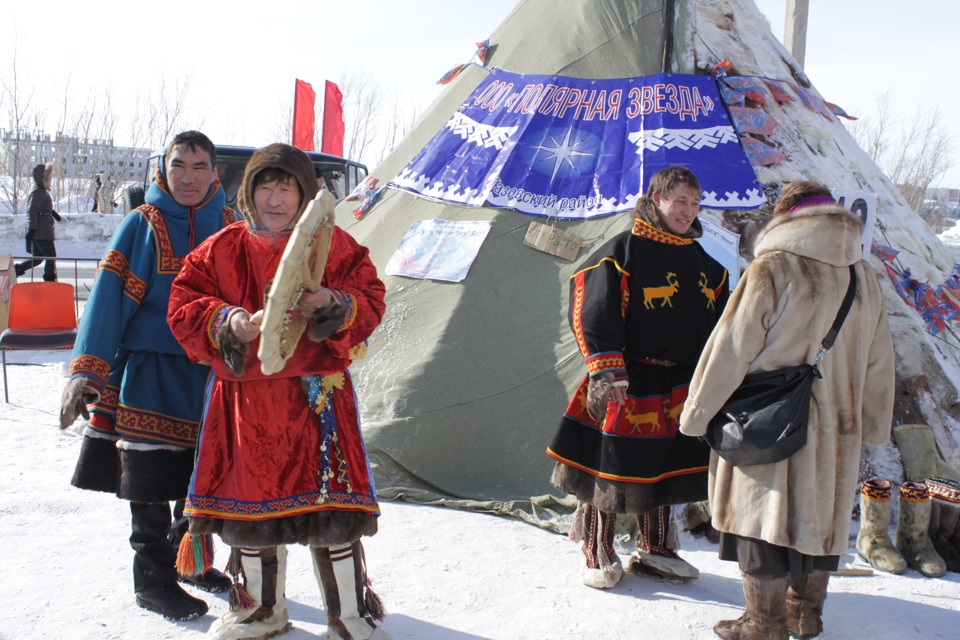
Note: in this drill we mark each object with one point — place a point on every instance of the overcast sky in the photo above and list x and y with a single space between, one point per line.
246 54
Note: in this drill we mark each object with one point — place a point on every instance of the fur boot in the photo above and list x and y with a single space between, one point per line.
913 525
354 611
601 564
258 609
766 614
920 454
805 598
873 541
945 520
653 555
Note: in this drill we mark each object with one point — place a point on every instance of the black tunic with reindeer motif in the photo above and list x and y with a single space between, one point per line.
641 308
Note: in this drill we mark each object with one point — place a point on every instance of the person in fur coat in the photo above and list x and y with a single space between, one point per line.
280 458
787 523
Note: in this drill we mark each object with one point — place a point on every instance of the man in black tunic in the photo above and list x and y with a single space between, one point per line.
641 309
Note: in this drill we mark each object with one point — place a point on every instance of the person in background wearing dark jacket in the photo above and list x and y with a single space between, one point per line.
40 231
98 184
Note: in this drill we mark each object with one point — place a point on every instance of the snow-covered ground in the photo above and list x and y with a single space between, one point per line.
443 574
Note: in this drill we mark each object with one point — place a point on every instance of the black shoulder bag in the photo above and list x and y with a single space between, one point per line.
765 420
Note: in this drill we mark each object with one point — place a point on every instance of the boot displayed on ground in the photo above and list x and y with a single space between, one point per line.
873 541
913 524
766 614
805 598
601 564
653 557
258 608
944 528
354 611
920 455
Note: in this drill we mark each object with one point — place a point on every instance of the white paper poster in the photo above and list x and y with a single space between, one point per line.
723 246
438 249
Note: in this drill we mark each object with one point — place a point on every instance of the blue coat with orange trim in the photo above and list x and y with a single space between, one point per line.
151 393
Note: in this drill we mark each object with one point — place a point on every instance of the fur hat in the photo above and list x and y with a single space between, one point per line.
277 156
43 175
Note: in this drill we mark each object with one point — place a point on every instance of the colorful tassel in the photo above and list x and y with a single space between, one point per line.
239 599
373 603
194 555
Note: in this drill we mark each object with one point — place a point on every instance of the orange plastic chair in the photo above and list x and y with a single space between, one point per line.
41 316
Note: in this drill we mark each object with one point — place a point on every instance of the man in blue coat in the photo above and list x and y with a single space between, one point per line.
127 369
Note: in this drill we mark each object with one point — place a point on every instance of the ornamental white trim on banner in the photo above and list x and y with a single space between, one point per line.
577 148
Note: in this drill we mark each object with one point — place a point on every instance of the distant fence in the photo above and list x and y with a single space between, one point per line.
82 273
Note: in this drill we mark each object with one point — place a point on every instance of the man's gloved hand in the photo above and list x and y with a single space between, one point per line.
30 235
76 397
326 321
604 389
598 393
234 339
56 216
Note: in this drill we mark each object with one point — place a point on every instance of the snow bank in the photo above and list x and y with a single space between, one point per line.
79 235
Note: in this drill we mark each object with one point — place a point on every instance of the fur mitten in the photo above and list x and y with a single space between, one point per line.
325 322
598 393
76 396
233 351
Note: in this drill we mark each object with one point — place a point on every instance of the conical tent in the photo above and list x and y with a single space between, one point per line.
464 383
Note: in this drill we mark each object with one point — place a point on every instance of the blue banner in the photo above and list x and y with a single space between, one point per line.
574 148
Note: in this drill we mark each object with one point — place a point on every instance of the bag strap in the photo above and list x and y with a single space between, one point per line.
841 316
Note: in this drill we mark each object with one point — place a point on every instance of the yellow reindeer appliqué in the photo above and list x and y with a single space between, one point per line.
675 411
640 419
707 291
665 293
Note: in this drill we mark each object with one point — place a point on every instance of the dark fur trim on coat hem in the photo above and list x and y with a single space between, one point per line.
98 466
158 475
319 529
629 497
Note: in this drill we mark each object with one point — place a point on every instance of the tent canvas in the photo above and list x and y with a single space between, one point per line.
464 383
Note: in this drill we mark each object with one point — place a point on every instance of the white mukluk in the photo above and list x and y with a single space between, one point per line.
266 616
354 611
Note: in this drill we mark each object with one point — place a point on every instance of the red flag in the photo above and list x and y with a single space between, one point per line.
303 119
332 120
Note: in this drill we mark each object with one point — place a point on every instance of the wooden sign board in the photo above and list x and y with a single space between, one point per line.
556 242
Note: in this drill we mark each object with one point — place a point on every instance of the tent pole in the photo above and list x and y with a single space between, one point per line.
669 17
795 29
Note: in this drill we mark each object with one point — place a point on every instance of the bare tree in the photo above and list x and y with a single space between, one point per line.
395 128
16 154
914 153
362 109
375 119
283 120
167 108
